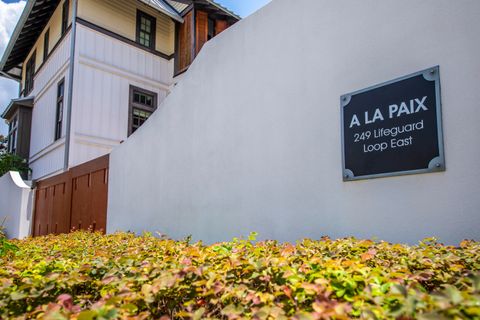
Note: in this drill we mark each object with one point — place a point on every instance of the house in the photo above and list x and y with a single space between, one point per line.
92 71
265 150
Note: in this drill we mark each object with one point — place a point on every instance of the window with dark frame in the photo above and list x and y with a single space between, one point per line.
12 135
211 28
142 104
59 113
30 73
65 10
146 27
46 39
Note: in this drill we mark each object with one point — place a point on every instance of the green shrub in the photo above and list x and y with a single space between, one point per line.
90 276
3 144
5 246
12 162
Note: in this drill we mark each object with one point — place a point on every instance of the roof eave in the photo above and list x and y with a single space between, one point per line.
16 32
178 17
175 16
20 102
230 13
10 76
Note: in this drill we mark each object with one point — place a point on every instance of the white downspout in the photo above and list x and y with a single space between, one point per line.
70 86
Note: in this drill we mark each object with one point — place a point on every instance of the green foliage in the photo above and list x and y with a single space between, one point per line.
3 144
12 162
90 276
6 247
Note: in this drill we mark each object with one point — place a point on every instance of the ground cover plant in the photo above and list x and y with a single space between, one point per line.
91 276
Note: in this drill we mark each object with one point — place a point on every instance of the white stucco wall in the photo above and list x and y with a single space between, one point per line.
249 140
15 205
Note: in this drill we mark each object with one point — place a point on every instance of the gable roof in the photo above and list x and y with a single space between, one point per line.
164 7
14 104
224 9
181 5
177 5
33 20
37 13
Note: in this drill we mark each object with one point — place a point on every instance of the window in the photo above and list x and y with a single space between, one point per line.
142 105
46 39
146 26
12 135
29 74
211 28
65 16
59 113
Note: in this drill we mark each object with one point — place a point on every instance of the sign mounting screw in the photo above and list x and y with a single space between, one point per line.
438 165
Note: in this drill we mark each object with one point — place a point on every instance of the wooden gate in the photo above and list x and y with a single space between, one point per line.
76 199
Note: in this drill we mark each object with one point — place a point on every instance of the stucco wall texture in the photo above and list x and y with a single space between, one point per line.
16 199
250 139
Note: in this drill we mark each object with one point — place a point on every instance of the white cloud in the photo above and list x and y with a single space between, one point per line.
9 15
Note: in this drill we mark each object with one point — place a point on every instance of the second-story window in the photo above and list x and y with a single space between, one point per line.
142 105
65 9
12 135
29 74
46 39
59 113
146 26
211 28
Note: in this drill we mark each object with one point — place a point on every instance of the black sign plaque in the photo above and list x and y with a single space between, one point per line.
393 128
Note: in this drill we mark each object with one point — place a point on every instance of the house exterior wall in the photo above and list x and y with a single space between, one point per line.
260 150
24 115
55 34
105 68
46 154
102 64
107 62
120 16
185 52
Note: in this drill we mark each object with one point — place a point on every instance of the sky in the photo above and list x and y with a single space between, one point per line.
10 11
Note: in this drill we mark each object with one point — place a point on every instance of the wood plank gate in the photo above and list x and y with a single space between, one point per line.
76 199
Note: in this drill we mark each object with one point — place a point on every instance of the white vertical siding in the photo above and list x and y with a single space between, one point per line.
55 35
104 70
114 53
49 71
50 162
46 155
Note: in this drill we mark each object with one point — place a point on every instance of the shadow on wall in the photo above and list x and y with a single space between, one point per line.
16 203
